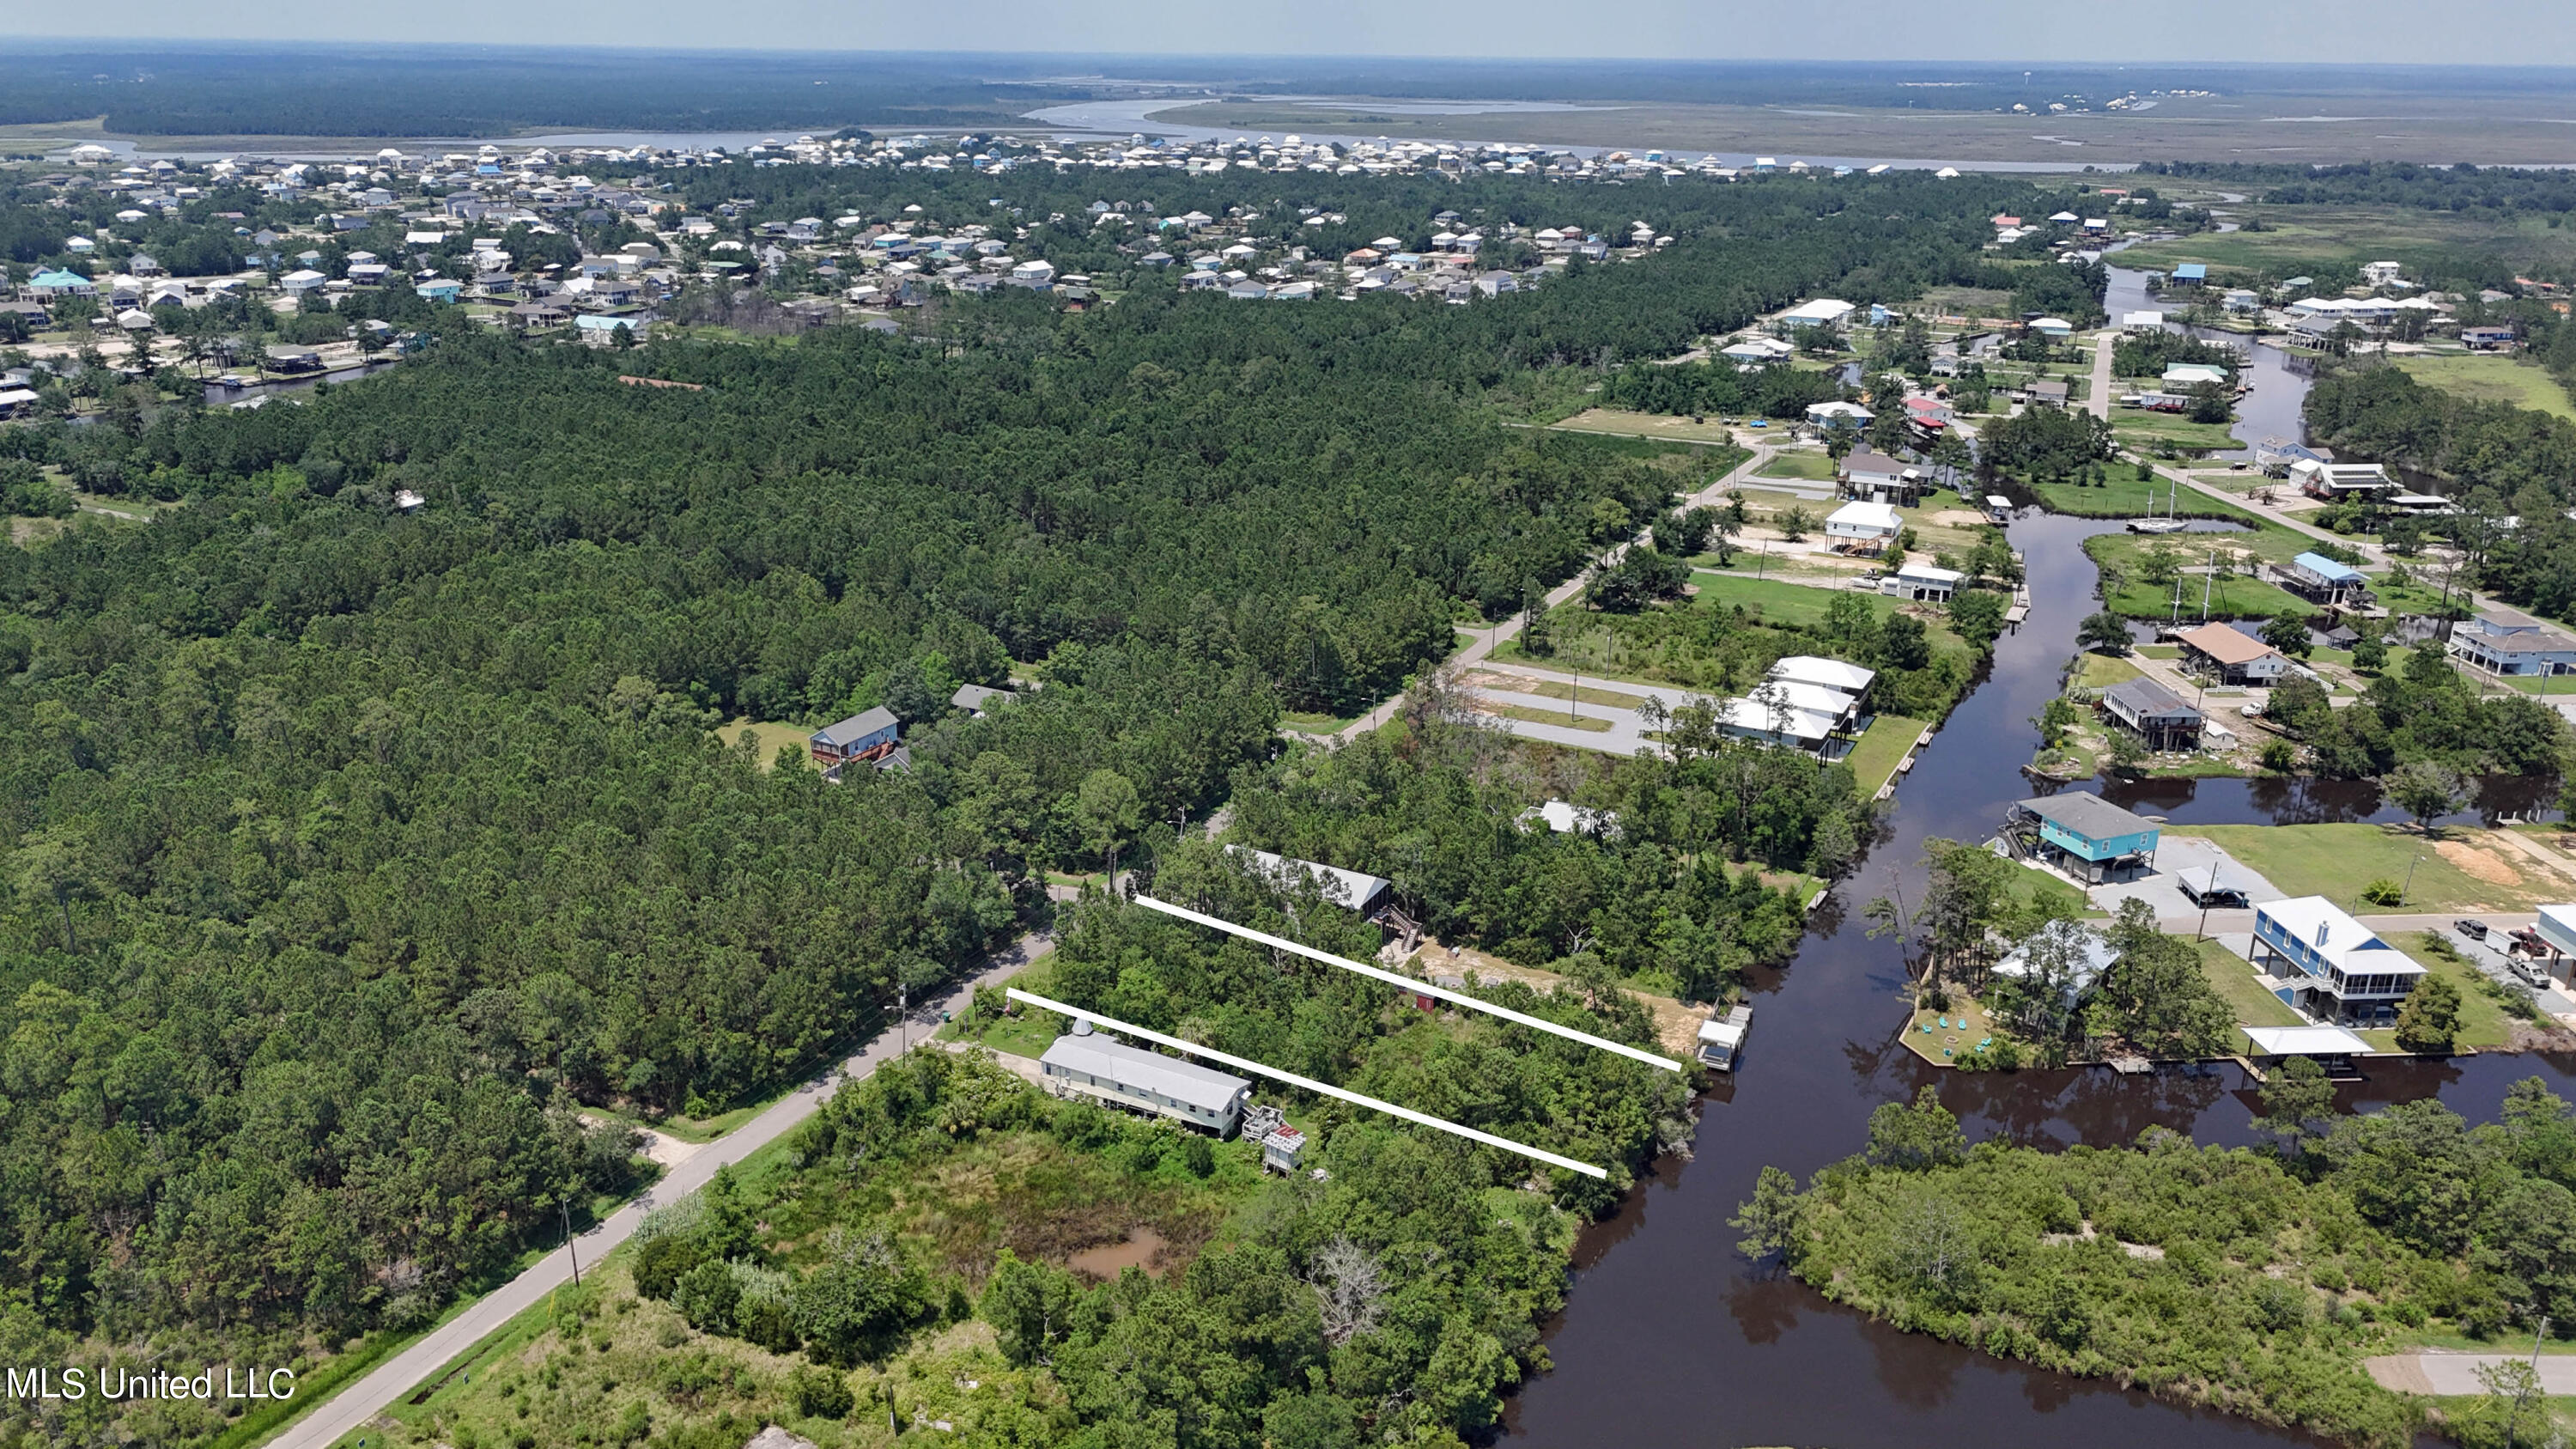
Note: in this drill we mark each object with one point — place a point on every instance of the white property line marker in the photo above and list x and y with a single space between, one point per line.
1292 1079
1419 988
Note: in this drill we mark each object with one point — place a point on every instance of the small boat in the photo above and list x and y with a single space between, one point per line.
2157 525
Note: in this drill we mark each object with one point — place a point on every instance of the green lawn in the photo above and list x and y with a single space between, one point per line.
2337 861
2031 885
2232 976
1811 467
2492 377
1585 694
2126 496
2238 598
2483 1021
1874 760
2149 431
767 738
2100 671
1776 602
2300 238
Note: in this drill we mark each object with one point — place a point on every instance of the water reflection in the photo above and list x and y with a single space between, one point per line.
1675 1339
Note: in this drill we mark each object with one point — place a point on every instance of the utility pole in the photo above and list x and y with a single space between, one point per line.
569 1245
2203 933
2206 580
2408 893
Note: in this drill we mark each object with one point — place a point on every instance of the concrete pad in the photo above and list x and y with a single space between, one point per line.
2160 887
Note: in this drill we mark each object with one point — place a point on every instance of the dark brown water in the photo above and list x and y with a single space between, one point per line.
1671 1338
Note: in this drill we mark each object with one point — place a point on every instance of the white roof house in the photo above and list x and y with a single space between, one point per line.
1350 889
2192 374
1830 673
2558 927
1822 312
1826 414
2148 321
1149 1079
1780 724
1813 698
1863 521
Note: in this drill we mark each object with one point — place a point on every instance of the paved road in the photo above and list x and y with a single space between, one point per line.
393 1380
2457 1373
2098 402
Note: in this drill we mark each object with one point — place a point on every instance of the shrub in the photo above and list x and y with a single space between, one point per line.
2383 892
820 1393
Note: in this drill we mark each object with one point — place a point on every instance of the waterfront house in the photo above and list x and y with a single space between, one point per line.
1923 583
1769 718
2085 835
2335 482
2230 656
1832 674
2508 641
2155 714
2321 580
1867 473
1862 527
2328 966
1083 1063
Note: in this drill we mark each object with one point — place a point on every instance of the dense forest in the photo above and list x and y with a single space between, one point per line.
2252 1280
355 850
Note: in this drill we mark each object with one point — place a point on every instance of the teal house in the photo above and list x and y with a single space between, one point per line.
2085 835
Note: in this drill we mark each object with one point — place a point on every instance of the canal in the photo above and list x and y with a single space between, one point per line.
1670 1337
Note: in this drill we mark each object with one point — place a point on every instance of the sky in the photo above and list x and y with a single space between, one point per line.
2518 32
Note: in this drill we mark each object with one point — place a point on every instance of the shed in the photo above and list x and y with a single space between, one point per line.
2331 1047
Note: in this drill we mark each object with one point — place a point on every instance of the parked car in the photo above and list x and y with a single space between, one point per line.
2533 974
2474 930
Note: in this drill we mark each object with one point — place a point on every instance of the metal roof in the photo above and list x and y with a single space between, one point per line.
1351 889
2329 570
2090 816
2226 645
2334 935
1187 1083
2147 697
857 727
2304 1041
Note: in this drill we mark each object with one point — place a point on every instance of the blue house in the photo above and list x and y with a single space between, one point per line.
54 282
2335 968
2322 580
442 290
2191 274
2086 835
867 736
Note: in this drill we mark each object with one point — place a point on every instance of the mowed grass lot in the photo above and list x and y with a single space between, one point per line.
1775 602
1881 749
2491 377
2139 428
1811 467
2233 978
767 739
2458 870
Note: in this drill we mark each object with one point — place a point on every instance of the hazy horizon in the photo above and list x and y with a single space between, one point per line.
2286 32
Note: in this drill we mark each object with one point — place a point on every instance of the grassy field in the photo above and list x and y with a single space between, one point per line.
1874 760
2149 431
2094 670
2299 238
2127 496
2237 598
768 739
2032 885
2232 976
1805 466
1619 423
1776 602
2490 377
2457 871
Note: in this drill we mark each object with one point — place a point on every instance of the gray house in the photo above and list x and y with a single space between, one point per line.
1083 1063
